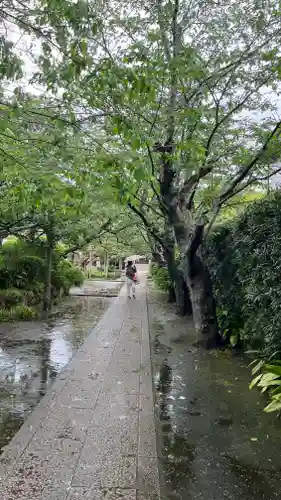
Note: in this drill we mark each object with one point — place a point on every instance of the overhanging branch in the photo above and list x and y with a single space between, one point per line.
150 229
230 190
91 237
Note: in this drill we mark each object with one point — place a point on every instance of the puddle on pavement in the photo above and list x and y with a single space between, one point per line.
214 440
32 354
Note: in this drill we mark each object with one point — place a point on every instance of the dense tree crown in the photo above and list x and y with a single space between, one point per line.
159 117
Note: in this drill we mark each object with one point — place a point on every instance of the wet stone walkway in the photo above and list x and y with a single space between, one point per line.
92 437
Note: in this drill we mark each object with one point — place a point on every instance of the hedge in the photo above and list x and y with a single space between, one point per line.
244 258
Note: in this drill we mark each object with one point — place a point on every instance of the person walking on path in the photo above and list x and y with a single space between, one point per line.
131 278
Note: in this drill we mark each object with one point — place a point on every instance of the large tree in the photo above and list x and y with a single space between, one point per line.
174 97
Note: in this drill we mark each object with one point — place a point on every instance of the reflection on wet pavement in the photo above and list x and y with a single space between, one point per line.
33 353
215 441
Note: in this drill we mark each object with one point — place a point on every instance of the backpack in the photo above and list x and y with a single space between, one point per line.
130 272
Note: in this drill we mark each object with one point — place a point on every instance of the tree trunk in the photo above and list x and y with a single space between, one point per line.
45 360
47 300
157 257
189 237
199 282
180 293
106 264
172 294
120 265
183 301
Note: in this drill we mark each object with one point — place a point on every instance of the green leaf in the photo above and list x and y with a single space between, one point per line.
276 391
255 381
258 366
136 143
269 385
83 47
266 379
275 405
95 27
273 369
233 340
139 174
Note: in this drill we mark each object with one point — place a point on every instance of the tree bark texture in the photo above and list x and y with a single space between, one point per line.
203 303
189 237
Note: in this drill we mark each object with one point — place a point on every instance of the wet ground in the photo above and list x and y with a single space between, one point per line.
33 353
98 288
214 440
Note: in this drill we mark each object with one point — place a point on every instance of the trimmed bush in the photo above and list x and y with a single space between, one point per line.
244 261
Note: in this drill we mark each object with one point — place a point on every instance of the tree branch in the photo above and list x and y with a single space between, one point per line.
195 243
150 229
93 236
230 190
230 113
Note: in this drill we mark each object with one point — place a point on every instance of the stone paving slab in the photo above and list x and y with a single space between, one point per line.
92 437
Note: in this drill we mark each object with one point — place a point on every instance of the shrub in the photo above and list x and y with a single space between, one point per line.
11 296
31 298
20 264
36 288
22 268
18 312
101 275
244 261
66 275
97 274
267 377
23 312
113 275
160 277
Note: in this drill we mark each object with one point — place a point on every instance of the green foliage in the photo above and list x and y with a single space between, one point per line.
96 274
30 296
267 377
65 275
160 277
20 312
101 275
132 80
22 274
244 260
34 291
20 264
11 297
